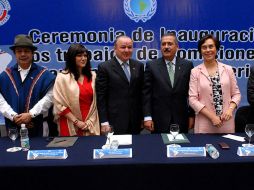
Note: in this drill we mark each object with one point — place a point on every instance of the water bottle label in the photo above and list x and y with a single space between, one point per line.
212 151
25 144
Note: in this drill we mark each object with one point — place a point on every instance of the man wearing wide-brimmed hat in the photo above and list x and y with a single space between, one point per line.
27 88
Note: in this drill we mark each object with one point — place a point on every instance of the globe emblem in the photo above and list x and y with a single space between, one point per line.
140 9
140 6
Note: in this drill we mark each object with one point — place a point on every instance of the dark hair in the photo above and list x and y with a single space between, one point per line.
70 61
206 37
170 34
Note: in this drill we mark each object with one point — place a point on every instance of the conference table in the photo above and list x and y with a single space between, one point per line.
149 167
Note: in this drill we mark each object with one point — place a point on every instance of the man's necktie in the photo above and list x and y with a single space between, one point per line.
171 72
125 69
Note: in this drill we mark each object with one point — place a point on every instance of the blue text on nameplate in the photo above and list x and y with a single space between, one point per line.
47 154
245 151
110 153
173 152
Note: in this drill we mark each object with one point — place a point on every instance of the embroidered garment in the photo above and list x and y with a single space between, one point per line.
22 96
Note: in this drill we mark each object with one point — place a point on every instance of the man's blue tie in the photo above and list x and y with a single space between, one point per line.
125 69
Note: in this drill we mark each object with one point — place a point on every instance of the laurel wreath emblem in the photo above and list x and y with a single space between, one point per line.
131 14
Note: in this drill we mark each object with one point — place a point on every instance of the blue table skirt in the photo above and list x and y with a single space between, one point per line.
149 168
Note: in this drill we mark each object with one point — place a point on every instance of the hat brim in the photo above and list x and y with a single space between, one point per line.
33 48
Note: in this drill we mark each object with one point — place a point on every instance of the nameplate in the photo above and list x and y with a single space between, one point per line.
109 153
47 154
245 151
174 152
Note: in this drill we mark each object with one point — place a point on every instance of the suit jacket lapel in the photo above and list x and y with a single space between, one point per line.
178 70
164 71
203 70
221 69
118 69
132 71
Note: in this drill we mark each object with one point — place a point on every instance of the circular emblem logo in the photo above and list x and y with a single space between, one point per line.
140 9
4 8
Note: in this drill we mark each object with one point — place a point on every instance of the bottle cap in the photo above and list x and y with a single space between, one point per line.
23 125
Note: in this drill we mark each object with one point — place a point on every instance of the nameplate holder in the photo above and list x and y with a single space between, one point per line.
174 152
245 151
110 153
47 154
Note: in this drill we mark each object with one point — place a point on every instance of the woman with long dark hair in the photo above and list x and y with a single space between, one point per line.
74 95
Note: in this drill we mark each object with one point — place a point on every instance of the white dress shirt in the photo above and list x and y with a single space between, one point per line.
6 109
122 65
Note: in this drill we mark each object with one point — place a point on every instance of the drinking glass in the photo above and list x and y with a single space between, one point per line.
249 130
174 131
114 145
13 134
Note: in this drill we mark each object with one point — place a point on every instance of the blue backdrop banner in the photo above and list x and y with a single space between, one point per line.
54 25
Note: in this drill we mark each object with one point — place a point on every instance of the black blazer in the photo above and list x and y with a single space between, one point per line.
250 87
250 95
120 102
167 104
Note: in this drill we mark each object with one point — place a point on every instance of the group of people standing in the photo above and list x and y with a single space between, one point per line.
123 93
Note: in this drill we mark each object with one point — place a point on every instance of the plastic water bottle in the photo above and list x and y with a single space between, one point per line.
212 151
24 139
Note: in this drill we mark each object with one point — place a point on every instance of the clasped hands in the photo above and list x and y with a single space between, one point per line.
85 126
25 118
218 120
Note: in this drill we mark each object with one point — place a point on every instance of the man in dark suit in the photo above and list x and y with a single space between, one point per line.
250 95
119 90
165 92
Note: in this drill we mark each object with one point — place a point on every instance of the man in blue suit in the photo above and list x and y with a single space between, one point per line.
165 92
